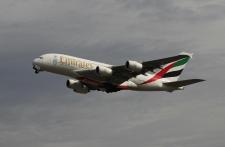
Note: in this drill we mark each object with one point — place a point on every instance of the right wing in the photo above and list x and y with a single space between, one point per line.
121 73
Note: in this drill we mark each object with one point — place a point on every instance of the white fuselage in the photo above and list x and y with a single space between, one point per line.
67 65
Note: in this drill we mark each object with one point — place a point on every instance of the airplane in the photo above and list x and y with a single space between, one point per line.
86 75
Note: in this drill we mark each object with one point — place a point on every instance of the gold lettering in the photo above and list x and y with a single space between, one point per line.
75 63
82 64
72 62
63 60
67 61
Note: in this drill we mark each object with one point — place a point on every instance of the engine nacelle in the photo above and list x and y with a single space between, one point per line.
134 66
103 71
77 86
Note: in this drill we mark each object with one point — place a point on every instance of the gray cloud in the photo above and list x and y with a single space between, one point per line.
38 110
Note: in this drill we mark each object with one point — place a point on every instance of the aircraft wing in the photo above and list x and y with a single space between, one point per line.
87 73
183 82
154 64
121 74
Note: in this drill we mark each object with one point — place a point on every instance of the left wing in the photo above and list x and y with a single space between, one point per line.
182 83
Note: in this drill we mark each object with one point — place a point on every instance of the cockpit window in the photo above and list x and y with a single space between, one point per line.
41 57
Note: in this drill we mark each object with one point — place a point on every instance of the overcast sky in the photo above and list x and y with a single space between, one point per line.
39 111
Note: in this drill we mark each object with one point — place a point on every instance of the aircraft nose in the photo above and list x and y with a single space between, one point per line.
36 61
36 65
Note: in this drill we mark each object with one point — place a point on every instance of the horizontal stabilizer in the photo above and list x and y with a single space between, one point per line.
183 83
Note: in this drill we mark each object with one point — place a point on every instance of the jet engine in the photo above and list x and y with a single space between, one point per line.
103 71
134 66
77 86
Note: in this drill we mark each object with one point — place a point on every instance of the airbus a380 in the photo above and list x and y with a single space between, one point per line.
86 75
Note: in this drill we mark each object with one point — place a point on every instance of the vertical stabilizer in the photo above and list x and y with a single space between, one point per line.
177 67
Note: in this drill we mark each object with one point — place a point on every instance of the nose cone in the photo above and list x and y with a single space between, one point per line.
36 61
